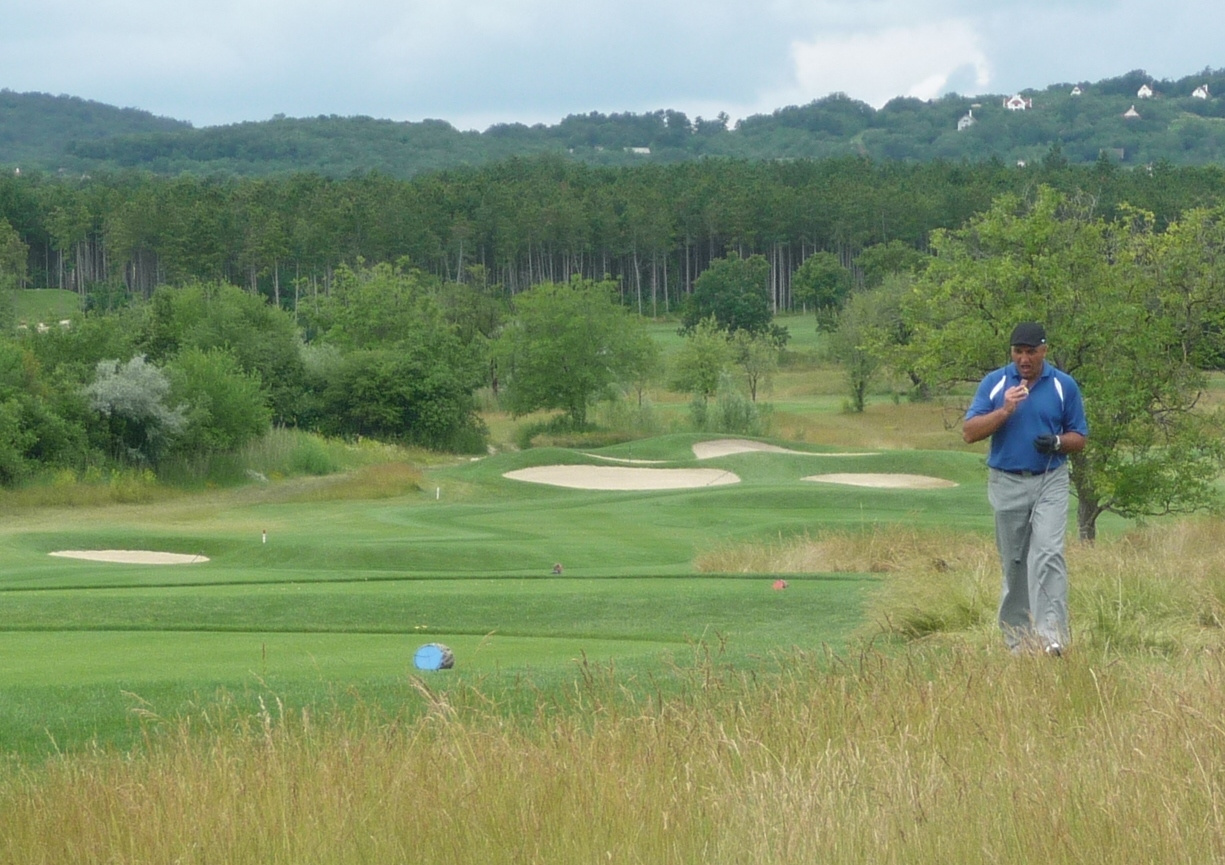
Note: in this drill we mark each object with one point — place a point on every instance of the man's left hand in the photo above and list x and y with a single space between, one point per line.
1047 444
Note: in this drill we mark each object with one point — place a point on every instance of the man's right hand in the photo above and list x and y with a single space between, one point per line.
1014 396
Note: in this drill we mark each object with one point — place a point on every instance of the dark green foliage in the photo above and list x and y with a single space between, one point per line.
398 369
262 339
415 394
224 407
45 420
38 127
63 133
71 354
823 284
883 259
734 291
505 227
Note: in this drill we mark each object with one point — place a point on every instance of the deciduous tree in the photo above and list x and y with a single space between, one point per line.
822 284
702 360
1115 322
132 399
563 347
734 291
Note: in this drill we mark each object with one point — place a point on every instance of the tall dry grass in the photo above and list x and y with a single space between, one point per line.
1158 589
932 755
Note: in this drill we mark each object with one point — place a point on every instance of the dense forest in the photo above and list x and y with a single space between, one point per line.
653 229
1084 121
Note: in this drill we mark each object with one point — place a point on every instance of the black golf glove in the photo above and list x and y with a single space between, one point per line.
1047 444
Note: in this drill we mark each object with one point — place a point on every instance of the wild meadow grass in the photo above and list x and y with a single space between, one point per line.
953 753
280 454
94 487
283 453
1154 590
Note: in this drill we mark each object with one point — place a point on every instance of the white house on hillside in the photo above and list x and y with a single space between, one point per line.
1145 92
1200 92
1018 103
967 121
1076 91
1131 112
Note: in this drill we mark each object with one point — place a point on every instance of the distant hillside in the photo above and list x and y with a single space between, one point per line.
1079 123
37 129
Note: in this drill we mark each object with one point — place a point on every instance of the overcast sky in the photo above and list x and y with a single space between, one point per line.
478 62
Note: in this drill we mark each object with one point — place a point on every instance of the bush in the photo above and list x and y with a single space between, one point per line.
226 407
732 412
310 457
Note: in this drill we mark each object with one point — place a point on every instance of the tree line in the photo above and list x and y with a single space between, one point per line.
652 230
1126 269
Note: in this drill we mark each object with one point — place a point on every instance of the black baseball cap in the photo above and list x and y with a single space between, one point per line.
1028 333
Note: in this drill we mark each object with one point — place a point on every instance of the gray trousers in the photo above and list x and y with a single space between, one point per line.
1031 519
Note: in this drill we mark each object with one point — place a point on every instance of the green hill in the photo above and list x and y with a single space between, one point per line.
67 134
37 129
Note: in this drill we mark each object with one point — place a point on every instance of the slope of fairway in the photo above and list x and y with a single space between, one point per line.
473 521
338 594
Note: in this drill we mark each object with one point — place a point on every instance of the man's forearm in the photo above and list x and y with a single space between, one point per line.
981 426
1071 442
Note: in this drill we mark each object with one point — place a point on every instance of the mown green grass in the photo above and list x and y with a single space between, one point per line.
345 589
47 305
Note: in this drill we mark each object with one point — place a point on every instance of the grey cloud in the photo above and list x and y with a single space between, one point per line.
217 61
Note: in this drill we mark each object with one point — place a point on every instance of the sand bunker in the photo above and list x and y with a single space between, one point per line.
727 447
131 557
624 460
884 481
623 477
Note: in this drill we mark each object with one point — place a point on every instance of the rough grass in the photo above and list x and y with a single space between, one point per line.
940 747
92 488
931 755
377 481
1157 589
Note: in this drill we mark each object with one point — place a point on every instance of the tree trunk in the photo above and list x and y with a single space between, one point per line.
637 279
1087 513
654 285
1088 503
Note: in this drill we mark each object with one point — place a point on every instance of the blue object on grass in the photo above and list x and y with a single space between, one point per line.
434 656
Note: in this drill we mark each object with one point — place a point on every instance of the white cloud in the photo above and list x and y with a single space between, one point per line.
899 61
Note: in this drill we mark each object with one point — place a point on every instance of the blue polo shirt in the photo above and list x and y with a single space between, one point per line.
1054 406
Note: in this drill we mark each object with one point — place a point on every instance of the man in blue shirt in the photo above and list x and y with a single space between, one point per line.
1035 418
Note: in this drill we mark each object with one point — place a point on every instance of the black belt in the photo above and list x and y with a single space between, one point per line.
1026 473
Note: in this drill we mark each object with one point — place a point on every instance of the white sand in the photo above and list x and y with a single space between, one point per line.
727 447
131 557
884 481
581 477
624 460
623 477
